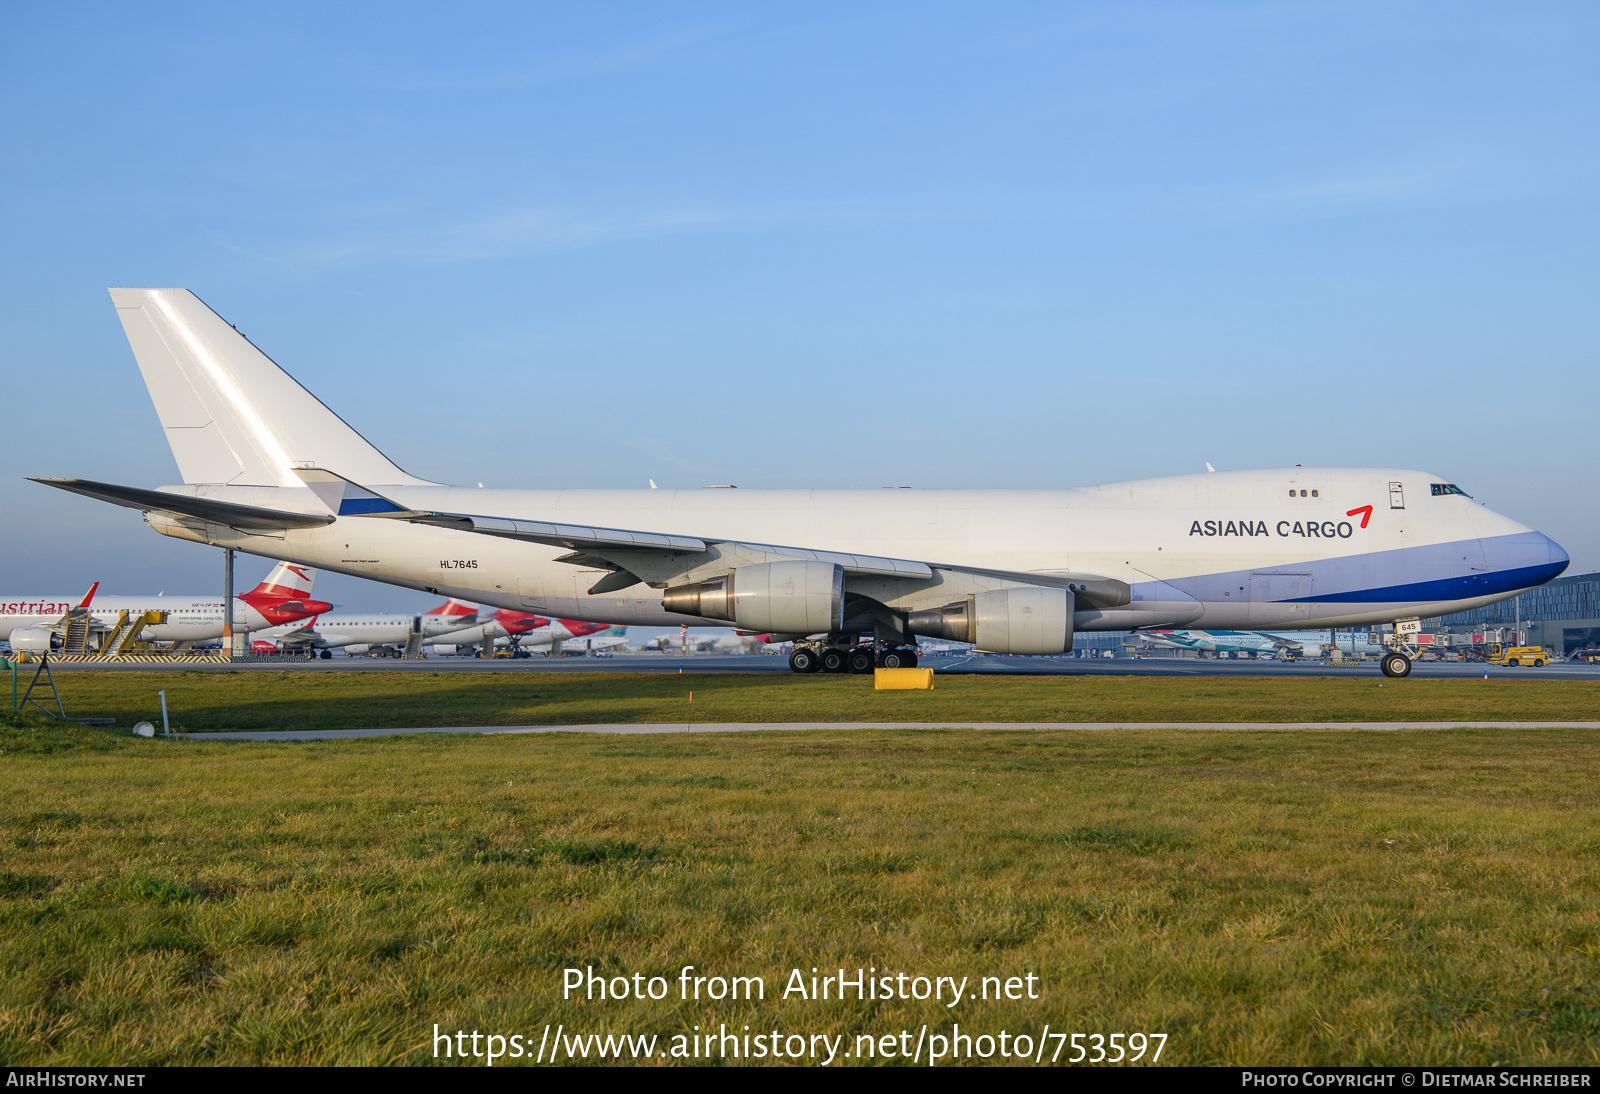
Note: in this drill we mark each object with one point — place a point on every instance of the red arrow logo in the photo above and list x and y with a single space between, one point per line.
1366 514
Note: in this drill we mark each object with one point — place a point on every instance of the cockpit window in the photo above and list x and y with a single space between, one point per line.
1440 489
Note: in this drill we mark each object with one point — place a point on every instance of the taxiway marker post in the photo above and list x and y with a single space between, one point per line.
166 730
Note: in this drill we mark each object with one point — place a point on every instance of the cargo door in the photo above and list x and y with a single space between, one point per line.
1273 599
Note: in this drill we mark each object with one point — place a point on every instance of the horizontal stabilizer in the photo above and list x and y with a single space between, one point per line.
218 512
346 498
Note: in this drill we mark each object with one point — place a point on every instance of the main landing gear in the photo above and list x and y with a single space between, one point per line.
819 656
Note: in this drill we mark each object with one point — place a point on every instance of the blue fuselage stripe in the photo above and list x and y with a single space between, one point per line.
1469 587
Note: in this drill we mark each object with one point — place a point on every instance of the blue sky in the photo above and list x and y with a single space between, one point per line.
811 244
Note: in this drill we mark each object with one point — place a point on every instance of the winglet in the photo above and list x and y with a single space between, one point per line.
88 596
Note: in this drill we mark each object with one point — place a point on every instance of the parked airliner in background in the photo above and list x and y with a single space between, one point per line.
1263 644
269 469
284 596
520 629
707 643
362 633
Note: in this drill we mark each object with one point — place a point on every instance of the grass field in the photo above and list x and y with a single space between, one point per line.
335 700
1308 897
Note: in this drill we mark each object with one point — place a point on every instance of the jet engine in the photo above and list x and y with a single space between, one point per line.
34 640
1032 620
798 597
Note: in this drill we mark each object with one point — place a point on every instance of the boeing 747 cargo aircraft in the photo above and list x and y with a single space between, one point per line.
851 576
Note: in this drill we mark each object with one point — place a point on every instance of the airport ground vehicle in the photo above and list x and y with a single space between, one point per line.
268 467
1521 655
1591 656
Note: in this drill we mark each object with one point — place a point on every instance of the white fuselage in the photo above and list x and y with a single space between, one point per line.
1231 550
189 618
492 629
342 631
1274 643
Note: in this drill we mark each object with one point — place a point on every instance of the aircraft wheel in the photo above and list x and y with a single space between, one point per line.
804 660
1396 666
860 661
899 659
833 660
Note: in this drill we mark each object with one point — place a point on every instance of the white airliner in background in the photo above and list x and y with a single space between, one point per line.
362 633
1263 644
284 596
530 631
269 469
707 643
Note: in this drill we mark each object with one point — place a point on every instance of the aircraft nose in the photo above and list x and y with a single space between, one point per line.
1558 553
1528 559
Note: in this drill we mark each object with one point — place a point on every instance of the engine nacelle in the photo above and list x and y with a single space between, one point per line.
798 597
34 640
1031 620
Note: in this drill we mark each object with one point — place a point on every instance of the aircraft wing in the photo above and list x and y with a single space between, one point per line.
655 558
229 513
298 637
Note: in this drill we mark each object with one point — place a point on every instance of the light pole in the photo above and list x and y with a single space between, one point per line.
227 600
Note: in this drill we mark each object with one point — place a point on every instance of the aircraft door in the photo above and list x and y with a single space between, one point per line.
1279 599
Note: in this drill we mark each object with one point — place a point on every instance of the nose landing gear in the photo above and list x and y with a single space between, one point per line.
1395 665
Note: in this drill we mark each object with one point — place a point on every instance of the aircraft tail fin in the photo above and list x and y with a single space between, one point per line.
453 609
287 579
231 414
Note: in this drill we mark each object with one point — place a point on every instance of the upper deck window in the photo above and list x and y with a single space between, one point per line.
1440 489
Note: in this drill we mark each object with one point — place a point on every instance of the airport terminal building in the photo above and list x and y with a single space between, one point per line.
1562 616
